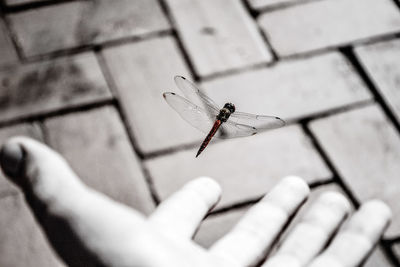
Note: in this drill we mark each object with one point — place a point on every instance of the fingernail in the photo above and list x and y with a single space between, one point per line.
11 159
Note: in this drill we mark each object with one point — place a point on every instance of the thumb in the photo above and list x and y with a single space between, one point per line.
78 221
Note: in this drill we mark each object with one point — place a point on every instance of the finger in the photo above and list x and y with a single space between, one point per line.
253 236
359 236
81 224
312 233
181 214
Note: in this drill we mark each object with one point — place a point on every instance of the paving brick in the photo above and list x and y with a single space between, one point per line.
381 61
31 130
321 24
365 149
218 35
292 89
396 249
245 167
21 2
215 227
8 54
262 4
377 258
22 241
78 23
142 72
98 149
47 86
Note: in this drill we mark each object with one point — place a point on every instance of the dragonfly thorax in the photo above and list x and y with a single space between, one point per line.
225 112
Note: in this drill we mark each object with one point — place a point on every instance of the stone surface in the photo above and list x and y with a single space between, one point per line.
47 86
365 150
292 89
321 24
30 130
21 2
246 168
78 23
381 60
377 258
98 149
22 241
262 4
217 226
142 72
8 54
218 35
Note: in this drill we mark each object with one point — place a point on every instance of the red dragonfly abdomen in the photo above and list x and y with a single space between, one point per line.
210 135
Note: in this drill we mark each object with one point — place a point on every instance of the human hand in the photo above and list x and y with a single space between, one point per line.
89 229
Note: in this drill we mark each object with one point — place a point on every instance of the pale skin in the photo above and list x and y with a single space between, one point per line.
109 233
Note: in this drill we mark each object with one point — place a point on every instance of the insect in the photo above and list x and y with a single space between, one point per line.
204 114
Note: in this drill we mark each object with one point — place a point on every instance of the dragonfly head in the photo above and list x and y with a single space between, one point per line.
230 107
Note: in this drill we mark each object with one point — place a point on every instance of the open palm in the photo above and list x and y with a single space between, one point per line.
100 231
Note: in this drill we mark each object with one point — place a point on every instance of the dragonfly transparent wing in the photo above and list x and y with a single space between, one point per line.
231 129
195 95
193 114
260 122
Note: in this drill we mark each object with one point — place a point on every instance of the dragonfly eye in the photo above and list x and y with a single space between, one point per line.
230 107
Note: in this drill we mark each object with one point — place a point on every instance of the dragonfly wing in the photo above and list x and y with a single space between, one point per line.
195 95
231 129
260 122
193 114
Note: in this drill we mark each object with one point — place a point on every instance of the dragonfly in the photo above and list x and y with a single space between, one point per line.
203 113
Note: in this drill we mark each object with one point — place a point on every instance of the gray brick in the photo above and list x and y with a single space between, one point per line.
47 86
78 23
98 149
218 35
365 149
22 241
322 24
262 4
21 2
245 167
215 227
142 72
396 249
30 130
8 54
286 89
377 258
381 61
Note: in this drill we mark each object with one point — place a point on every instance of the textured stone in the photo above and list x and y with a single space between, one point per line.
217 226
218 35
321 24
382 63
30 130
22 2
8 54
365 150
78 23
98 149
246 168
142 72
377 258
22 241
47 86
262 4
292 89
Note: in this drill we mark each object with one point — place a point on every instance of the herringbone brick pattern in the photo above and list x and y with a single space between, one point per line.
87 78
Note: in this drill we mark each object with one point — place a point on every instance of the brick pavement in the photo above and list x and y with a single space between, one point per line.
90 74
